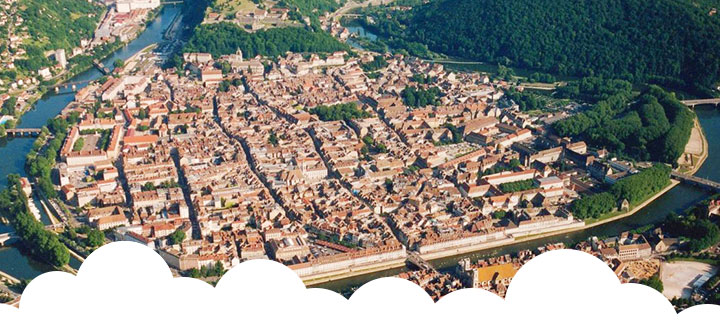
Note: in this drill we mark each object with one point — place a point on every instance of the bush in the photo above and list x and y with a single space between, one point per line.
653 282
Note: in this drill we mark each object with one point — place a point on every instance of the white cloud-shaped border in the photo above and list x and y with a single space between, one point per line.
125 280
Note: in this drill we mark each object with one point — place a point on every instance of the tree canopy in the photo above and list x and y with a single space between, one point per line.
631 39
655 126
635 189
694 226
343 111
42 244
654 282
226 38
55 24
517 186
419 97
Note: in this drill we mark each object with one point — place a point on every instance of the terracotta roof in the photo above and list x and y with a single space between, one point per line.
132 140
496 272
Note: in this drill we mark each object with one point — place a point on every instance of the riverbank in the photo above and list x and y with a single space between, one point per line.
498 244
351 272
6 277
14 260
674 200
696 150
42 90
458 251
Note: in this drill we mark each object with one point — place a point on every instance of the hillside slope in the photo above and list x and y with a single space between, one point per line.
667 41
53 24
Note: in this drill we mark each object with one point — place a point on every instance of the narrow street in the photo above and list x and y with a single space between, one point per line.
187 195
248 157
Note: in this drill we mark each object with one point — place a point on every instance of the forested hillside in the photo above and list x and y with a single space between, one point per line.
55 24
654 126
312 7
225 38
673 42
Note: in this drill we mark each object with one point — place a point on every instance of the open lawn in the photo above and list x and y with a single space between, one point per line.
226 7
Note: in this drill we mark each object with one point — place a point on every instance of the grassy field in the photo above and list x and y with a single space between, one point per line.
226 7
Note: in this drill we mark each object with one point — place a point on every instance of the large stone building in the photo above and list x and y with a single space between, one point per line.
124 6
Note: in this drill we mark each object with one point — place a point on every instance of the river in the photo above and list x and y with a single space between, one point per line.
13 151
676 200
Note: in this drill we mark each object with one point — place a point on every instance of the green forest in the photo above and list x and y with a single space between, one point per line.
55 24
225 38
694 226
654 126
635 189
312 8
629 39
39 161
42 244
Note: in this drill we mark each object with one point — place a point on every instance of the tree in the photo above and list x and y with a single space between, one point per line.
457 134
8 107
142 114
419 98
378 63
505 73
593 206
95 238
271 42
78 145
655 126
389 185
563 37
225 67
118 63
517 186
526 101
177 237
148 186
636 189
42 244
654 282
500 214
273 139
224 86
343 111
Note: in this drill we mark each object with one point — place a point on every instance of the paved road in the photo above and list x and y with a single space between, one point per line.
353 5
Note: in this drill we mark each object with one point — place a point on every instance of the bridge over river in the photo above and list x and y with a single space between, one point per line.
414 258
23 132
693 103
697 181
8 238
